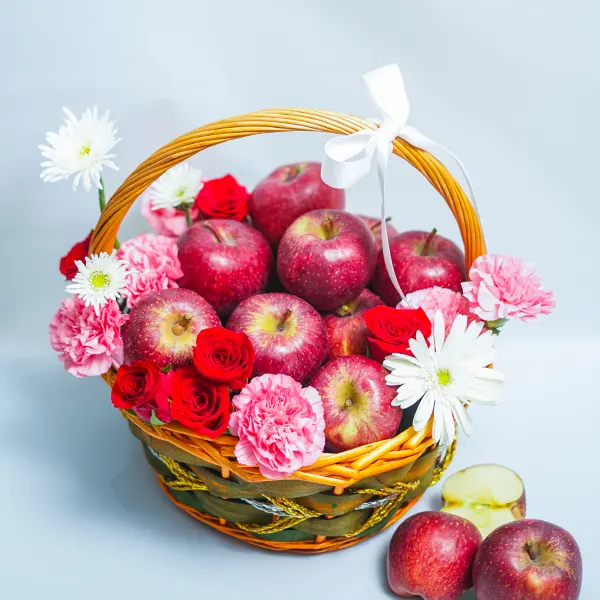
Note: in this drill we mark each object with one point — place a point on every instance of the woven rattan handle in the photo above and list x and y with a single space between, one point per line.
272 121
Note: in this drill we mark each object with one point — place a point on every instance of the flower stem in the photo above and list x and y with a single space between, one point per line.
102 203
188 216
101 196
495 326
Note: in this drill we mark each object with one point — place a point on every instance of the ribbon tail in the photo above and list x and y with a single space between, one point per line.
382 156
416 138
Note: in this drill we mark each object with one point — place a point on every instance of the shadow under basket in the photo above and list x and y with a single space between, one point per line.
342 498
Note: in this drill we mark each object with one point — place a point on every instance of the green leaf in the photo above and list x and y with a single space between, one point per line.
167 369
154 420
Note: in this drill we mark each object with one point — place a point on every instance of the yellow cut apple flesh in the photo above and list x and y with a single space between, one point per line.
486 495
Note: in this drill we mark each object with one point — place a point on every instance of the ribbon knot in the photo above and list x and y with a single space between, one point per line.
348 158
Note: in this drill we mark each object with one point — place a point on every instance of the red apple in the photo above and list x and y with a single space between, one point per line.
288 335
528 559
420 260
286 194
431 555
346 329
374 225
326 257
357 402
162 327
225 262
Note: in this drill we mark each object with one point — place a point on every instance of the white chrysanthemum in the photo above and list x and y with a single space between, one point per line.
80 148
445 375
178 187
100 279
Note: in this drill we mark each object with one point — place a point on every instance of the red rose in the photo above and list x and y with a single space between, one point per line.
391 328
199 404
78 252
223 198
141 386
225 356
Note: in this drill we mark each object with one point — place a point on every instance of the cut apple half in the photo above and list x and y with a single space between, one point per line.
486 495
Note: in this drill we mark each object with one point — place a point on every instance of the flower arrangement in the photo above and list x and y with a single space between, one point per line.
288 336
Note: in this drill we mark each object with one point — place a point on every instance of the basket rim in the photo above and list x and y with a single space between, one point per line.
339 470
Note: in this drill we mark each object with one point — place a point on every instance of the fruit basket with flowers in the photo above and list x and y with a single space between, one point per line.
295 373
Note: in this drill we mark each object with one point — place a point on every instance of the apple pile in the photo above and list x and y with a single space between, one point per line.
438 556
481 539
294 276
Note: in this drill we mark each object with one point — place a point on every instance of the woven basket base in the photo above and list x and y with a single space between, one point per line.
312 547
338 524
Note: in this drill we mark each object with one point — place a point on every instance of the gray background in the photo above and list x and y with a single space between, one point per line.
510 86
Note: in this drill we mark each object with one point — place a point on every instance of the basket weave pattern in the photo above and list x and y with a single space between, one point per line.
340 499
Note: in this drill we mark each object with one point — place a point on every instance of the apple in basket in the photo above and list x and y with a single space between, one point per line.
356 402
420 260
287 193
288 335
346 328
326 257
375 226
163 325
431 555
528 559
224 261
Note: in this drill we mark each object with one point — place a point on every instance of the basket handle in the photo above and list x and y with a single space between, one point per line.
280 120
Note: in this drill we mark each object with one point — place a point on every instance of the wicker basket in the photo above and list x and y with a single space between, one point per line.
340 499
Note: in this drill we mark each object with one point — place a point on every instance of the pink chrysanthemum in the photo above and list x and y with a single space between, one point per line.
450 303
89 344
280 425
154 264
504 287
166 221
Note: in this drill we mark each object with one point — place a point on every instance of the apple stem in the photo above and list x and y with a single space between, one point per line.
215 233
181 325
292 172
286 315
428 242
531 551
377 225
348 402
329 228
347 309
344 311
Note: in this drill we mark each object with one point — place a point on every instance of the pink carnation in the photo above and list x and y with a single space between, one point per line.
166 221
504 287
89 344
280 425
432 299
153 260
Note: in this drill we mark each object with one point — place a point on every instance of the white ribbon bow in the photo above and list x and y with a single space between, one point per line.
348 158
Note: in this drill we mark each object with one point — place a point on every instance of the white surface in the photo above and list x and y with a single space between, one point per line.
510 86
